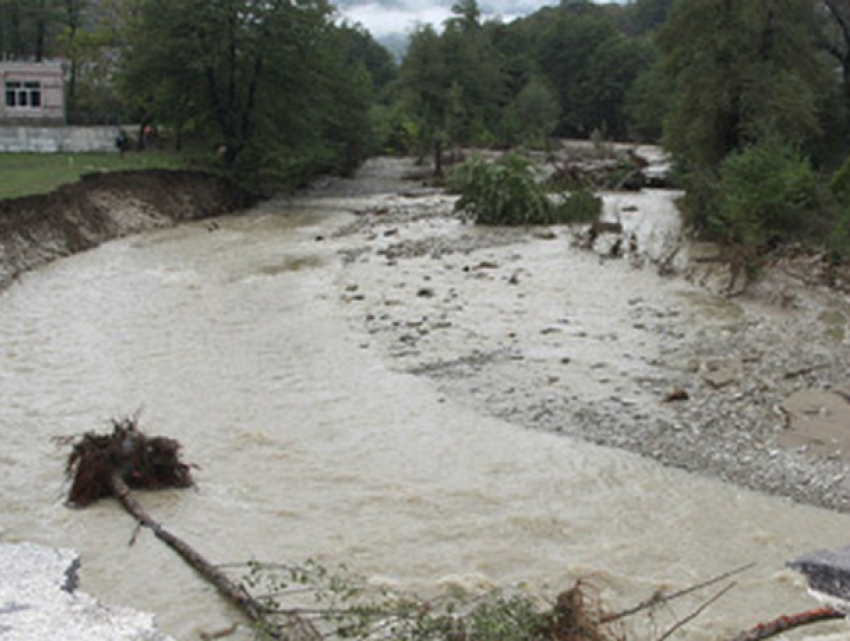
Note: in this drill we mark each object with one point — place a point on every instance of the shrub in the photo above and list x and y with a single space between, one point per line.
506 193
839 185
343 605
839 238
839 188
577 207
766 194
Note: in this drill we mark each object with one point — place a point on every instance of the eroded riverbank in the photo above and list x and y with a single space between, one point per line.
35 230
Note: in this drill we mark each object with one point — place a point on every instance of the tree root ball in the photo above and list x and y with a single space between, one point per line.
142 462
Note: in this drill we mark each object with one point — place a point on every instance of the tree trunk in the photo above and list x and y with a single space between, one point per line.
438 157
227 588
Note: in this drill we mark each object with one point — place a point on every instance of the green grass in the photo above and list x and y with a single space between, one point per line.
24 174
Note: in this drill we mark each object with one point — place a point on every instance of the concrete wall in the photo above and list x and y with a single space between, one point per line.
53 139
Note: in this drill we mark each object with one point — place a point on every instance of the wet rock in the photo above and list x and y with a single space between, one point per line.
722 371
677 394
828 575
546 234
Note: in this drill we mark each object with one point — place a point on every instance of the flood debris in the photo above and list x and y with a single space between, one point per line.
140 461
788 622
576 616
333 603
104 465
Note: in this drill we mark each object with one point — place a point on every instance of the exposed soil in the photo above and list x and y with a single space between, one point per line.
37 229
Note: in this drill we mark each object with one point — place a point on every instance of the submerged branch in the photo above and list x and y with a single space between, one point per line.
659 597
693 615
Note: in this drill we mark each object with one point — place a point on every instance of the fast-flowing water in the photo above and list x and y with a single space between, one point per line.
309 446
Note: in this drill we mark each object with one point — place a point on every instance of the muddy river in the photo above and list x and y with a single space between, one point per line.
240 341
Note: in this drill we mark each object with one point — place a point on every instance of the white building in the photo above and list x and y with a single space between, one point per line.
33 93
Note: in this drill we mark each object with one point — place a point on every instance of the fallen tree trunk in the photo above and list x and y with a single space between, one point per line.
104 465
227 588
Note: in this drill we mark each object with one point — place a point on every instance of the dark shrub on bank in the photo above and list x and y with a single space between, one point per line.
506 193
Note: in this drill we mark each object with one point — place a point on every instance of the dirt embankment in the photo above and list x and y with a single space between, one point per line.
35 230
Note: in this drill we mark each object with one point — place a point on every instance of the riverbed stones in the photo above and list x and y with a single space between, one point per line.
39 600
739 358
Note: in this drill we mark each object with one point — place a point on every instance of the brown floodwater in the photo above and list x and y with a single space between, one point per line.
309 445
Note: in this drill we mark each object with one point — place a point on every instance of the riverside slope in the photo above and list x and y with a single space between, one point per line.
35 230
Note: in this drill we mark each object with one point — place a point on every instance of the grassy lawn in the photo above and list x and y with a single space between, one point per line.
22 174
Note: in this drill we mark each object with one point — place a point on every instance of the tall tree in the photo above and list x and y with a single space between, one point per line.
426 82
741 69
612 71
836 35
532 115
567 40
650 15
454 83
29 29
245 72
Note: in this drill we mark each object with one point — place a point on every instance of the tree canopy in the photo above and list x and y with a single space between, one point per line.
276 86
282 89
740 71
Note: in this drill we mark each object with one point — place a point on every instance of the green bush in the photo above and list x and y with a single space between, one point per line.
839 238
839 186
766 195
577 207
505 193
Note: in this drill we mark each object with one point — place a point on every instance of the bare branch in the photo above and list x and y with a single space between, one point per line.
693 615
660 597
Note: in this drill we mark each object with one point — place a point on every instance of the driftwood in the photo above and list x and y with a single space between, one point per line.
227 588
109 465
140 461
788 622
693 615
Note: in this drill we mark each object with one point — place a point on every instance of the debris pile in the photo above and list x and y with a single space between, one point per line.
142 462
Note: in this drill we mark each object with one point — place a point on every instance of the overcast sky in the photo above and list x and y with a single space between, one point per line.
393 16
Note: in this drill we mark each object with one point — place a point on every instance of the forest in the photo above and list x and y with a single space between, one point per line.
750 97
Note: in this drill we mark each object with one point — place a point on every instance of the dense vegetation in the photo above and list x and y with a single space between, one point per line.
751 97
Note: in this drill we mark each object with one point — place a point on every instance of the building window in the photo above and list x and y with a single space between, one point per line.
23 94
